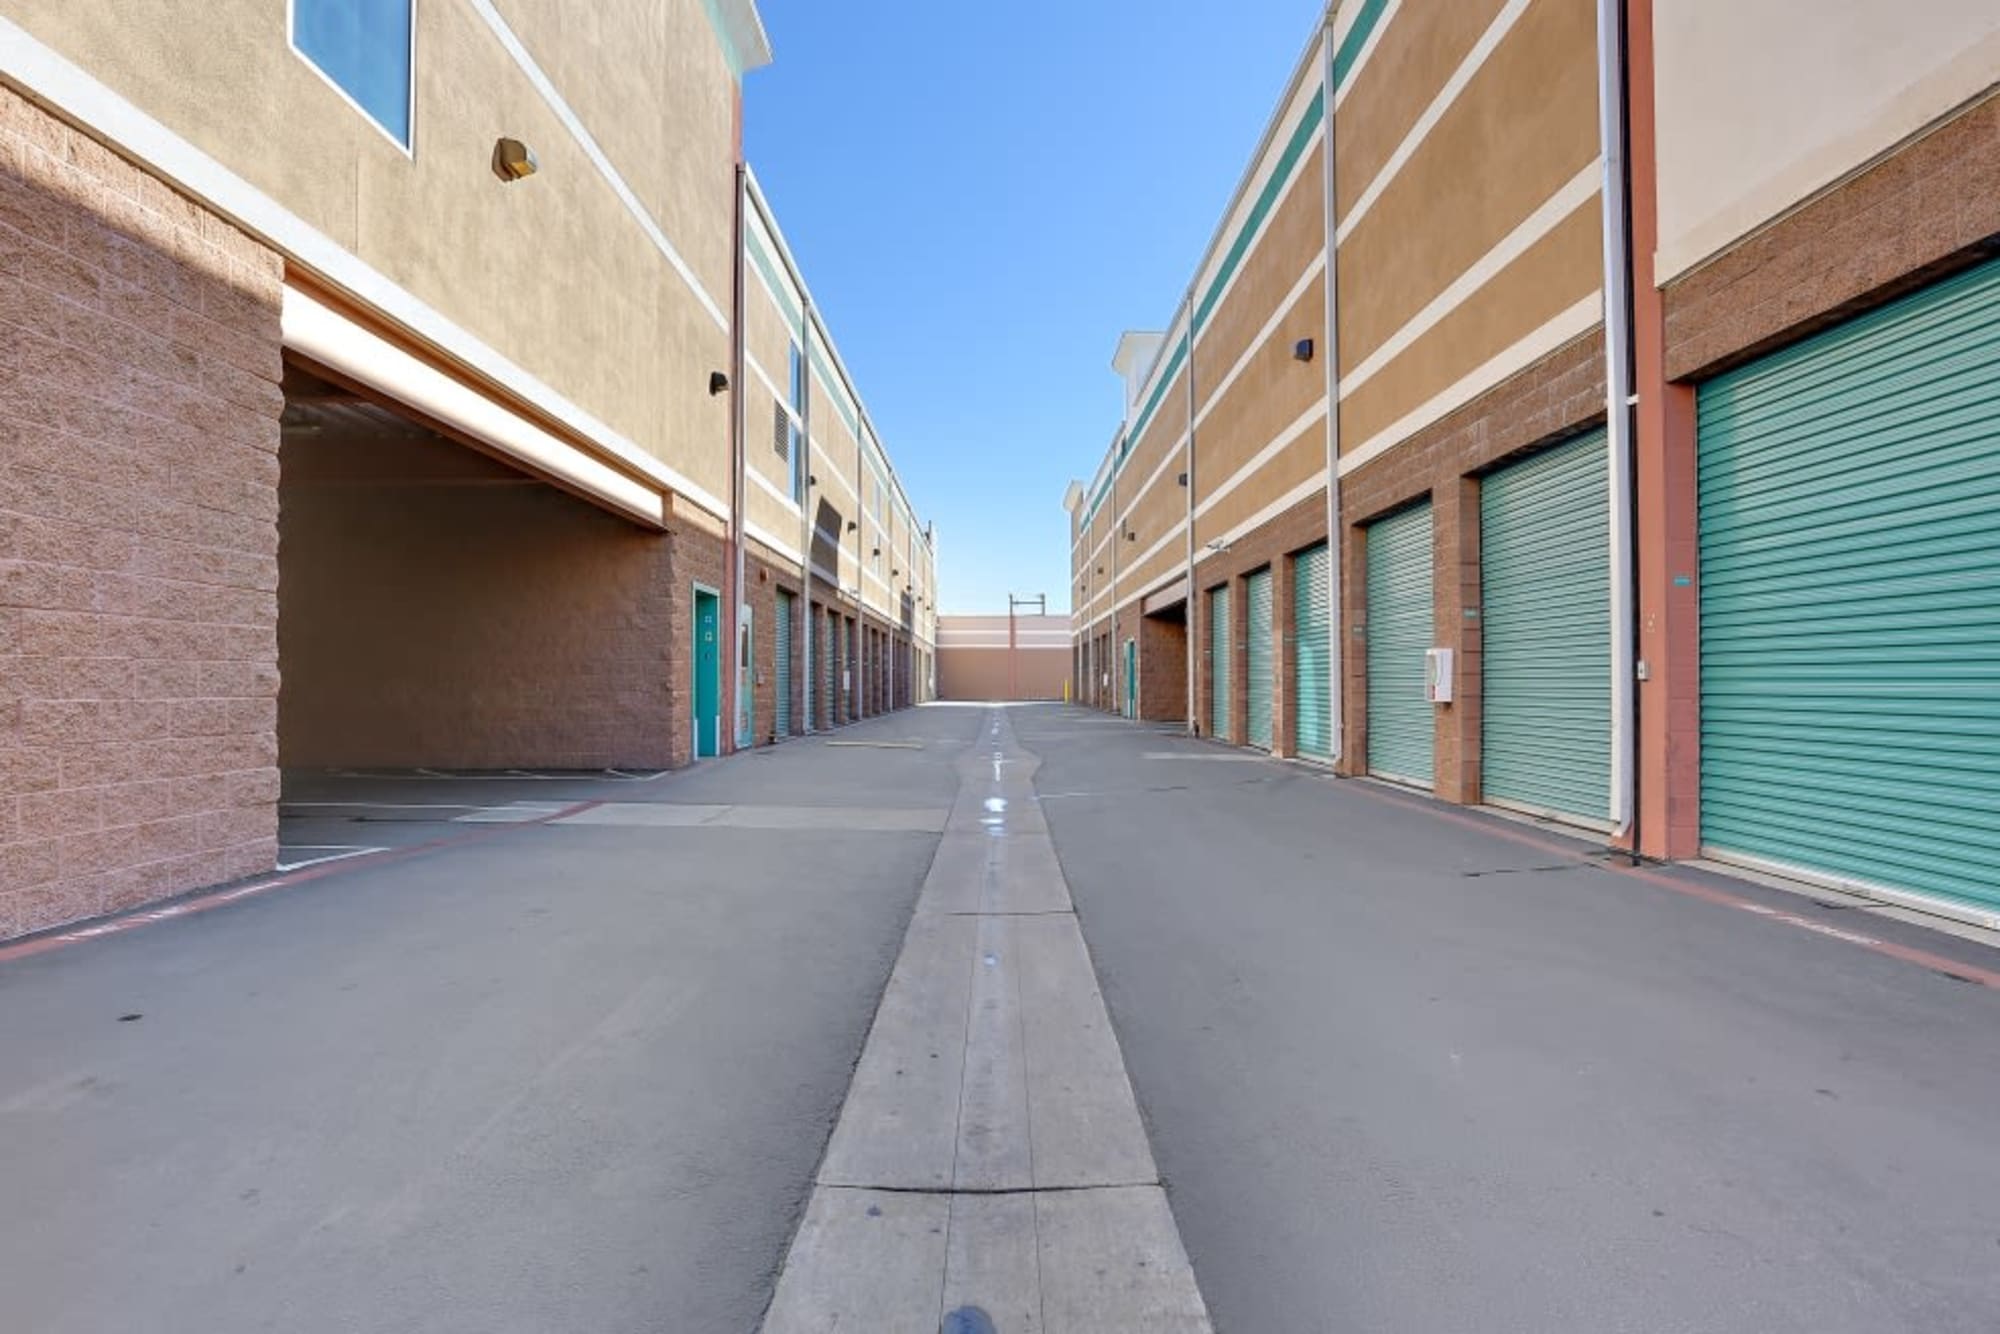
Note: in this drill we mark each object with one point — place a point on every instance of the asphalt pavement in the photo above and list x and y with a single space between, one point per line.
560 1075
1408 1068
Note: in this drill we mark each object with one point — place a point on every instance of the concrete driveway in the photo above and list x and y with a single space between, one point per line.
566 1075
1408 1068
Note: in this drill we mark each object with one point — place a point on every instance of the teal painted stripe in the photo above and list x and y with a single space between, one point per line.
1132 437
780 292
780 289
1267 199
1357 37
729 52
833 379
1343 64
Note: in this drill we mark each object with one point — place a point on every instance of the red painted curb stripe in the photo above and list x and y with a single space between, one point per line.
1937 963
201 903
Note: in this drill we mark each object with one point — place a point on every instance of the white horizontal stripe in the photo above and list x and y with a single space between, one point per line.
1139 562
1263 335
1557 207
819 452
764 535
1263 456
771 488
1299 174
338 343
76 95
1245 200
765 376
485 10
1265 515
1433 113
1552 335
1367 47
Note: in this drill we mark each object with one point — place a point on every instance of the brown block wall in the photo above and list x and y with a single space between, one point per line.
1927 210
139 402
1162 669
1540 405
479 626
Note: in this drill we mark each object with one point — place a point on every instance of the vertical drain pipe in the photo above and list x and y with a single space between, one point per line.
1336 665
1618 402
728 677
805 510
1187 305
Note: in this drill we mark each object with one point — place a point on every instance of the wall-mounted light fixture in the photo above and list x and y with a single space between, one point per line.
876 552
811 480
717 383
513 160
1302 350
1218 545
852 525
1182 479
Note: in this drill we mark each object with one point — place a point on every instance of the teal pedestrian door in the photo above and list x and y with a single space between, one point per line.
1257 657
1399 634
1850 599
707 720
1131 678
1312 654
1545 604
1218 662
781 676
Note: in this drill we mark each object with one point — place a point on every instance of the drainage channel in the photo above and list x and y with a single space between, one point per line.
989 1173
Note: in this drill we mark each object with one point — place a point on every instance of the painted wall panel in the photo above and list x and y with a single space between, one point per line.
1760 106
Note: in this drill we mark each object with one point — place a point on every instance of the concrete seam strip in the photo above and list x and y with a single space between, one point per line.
837 1267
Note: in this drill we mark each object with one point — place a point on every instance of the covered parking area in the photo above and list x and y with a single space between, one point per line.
451 602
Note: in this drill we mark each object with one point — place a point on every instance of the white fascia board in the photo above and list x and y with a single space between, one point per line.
328 338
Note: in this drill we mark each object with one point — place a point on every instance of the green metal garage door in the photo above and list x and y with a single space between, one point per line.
1312 605
1218 662
1850 599
782 677
1545 594
1399 633
1257 657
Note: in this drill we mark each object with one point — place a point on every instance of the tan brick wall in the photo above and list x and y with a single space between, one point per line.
480 625
1925 211
139 410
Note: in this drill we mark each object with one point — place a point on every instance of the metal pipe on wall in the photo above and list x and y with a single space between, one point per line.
730 685
804 465
1187 306
1618 409
1336 648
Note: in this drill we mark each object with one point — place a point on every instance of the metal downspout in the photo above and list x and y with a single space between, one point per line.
731 687
1618 410
1193 726
805 511
1335 660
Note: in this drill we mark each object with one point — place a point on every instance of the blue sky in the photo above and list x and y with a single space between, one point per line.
983 197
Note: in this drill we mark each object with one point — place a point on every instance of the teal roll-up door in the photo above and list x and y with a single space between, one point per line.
1312 656
1399 633
781 677
1850 598
1218 662
1545 595
1257 657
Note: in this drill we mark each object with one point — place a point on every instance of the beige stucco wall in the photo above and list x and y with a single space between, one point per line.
1762 105
553 272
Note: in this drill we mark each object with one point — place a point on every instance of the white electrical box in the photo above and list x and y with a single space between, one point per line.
1437 675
